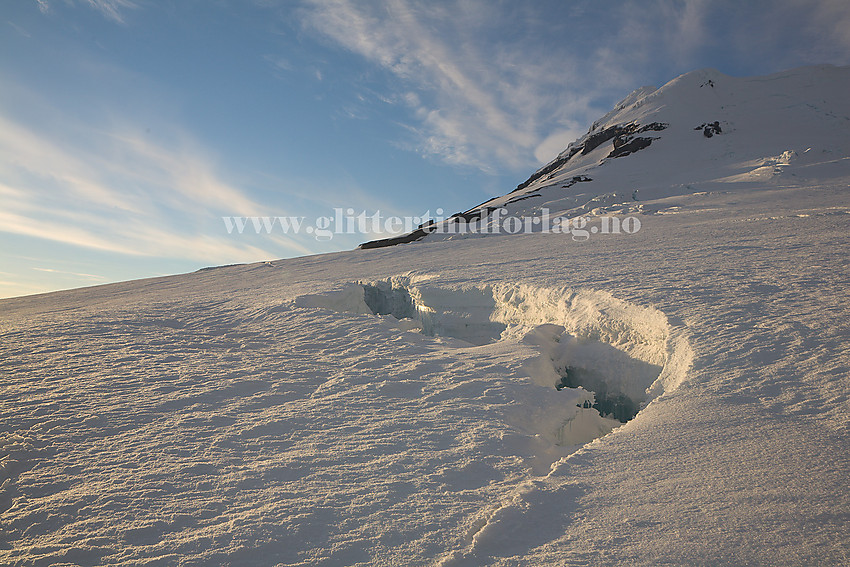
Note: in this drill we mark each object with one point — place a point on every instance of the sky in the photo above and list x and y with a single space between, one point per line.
136 135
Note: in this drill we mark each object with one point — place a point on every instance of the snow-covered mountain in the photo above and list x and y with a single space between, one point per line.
701 131
673 395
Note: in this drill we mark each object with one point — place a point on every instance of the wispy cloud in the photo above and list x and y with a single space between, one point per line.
114 10
19 29
834 16
477 100
804 31
74 274
114 189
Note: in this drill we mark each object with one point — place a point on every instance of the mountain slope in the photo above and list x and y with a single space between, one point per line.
699 132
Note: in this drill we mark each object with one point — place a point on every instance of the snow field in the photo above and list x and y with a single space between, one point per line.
218 417
265 415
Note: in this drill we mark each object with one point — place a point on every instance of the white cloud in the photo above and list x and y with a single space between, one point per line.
816 31
278 62
19 29
113 9
111 189
548 149
74 274
479 101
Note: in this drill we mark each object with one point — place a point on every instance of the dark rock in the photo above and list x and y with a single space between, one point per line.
429 227
545 171
709 129
576 179
417 234
630 146
596 140
475 213
591 143
522 198
653 127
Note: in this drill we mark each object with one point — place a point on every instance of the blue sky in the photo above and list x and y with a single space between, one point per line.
129 128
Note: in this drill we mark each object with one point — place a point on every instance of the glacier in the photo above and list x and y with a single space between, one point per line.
406 405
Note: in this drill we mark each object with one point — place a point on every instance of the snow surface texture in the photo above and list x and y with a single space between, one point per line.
263 414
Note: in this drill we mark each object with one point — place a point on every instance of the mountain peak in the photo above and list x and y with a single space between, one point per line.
701 131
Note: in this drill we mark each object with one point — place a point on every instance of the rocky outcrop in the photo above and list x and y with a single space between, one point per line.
576 179
622 134
709 129
522 198
417 234
629 146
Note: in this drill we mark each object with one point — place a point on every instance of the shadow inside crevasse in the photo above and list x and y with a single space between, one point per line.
618 381
463 314
387 300
608 403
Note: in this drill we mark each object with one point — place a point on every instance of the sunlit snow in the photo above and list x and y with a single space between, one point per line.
433 403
